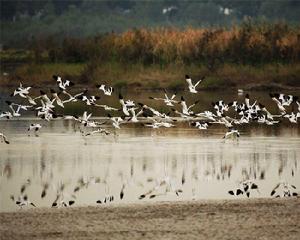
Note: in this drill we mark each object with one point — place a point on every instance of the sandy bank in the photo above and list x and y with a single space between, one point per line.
237 219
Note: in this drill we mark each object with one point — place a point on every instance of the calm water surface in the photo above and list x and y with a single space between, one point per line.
137 157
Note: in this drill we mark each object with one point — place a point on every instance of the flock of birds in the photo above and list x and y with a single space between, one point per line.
245 112
46 104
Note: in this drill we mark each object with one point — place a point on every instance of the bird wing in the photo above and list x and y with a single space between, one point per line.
198 82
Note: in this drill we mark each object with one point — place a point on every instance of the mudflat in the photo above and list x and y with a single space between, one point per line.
214 219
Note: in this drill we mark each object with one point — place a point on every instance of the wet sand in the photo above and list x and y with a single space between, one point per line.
230 219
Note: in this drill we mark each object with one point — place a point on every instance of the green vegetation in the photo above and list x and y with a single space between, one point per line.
154 77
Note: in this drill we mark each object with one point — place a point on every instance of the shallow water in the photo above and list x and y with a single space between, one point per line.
138 156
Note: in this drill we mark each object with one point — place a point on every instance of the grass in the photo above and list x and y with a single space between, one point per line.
39 74
155 76
13 55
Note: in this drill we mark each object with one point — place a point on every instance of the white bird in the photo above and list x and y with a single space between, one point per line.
4 138
168 101
21 91
232 133
284 189
35 127
191 86
124 106
293 118
157 124
73 98
62 84
116 121
46 99
106 90
15 113
152 111
58 100
207 114
185 109
99 130
106 107
279 104
6 115
201 126
22 201
85 117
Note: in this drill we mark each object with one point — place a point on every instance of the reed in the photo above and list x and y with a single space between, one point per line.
246 54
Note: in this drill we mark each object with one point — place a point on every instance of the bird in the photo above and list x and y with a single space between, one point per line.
245 187
185 109
232 133
279 104
89 100
44 191
99 130
22 201
122 191
201 126
106 90
6 115
116 121
106 107
62 84
4 138
191 86
21 91
124 106
34 127
58 100
168 101
284 189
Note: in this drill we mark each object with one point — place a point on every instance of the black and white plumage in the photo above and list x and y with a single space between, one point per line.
106 89
232 133
99 130
34 127
6 115
185 109
89 100
4 138
167 100
22 201
201 126
62 84
116 121
57 99
21 91
191 86
245 188
124 105
284 189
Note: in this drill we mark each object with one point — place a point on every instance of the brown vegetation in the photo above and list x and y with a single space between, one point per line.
250 54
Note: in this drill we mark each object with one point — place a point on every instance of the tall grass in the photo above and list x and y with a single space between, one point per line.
248 44
244 55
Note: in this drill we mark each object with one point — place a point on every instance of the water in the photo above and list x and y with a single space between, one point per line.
138 157
211 166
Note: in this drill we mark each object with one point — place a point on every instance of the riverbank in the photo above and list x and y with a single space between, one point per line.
231 219
137 76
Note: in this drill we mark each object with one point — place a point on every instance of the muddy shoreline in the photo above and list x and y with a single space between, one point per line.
225 219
